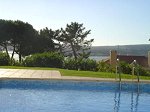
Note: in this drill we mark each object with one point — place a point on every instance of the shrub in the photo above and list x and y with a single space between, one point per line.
141 71
4 59
87 64
105 67
80 64
71 64
125 68
16 63
47 59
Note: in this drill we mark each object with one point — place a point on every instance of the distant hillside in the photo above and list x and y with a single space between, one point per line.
140 50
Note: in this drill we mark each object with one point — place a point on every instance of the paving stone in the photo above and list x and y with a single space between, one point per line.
30 74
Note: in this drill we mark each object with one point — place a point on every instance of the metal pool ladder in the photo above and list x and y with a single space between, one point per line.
118 71
134 67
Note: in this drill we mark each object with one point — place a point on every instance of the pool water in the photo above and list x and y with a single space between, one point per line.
73 96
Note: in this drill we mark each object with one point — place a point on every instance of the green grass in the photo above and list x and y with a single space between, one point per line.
65 72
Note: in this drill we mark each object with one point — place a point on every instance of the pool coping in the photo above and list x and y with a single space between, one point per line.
76 78
54 75
101 79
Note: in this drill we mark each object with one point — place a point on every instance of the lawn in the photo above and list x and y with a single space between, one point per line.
65 72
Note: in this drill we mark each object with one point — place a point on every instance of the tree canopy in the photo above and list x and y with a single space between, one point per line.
17 34
74 37
25 40
5 33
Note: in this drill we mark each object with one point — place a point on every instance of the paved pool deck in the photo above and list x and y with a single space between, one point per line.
28 74
51 74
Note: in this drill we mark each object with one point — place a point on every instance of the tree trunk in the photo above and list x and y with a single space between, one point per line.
60 48
5 46
19 57
19 53
12 55
73 49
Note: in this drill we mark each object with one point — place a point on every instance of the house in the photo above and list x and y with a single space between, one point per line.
141 60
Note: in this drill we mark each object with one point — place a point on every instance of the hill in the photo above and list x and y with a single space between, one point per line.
138 50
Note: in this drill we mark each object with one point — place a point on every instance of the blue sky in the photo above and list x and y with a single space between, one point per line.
112 22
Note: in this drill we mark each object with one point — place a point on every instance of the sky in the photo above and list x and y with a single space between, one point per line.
112 22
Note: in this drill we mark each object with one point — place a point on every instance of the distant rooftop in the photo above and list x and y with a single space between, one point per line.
141 60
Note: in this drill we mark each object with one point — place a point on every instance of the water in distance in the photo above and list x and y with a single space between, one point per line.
73 96
99 58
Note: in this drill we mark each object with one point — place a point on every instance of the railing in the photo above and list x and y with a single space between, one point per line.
118 71
134 68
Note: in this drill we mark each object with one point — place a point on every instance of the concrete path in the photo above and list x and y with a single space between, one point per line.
29 74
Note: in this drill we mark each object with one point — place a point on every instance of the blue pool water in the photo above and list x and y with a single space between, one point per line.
73 96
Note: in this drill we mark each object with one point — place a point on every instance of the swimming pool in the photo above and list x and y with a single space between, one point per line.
73 96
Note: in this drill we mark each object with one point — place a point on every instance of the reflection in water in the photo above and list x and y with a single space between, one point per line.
134 101
117 98
137 99
134 98
132 104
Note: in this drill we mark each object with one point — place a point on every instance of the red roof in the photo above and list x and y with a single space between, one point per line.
141 60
